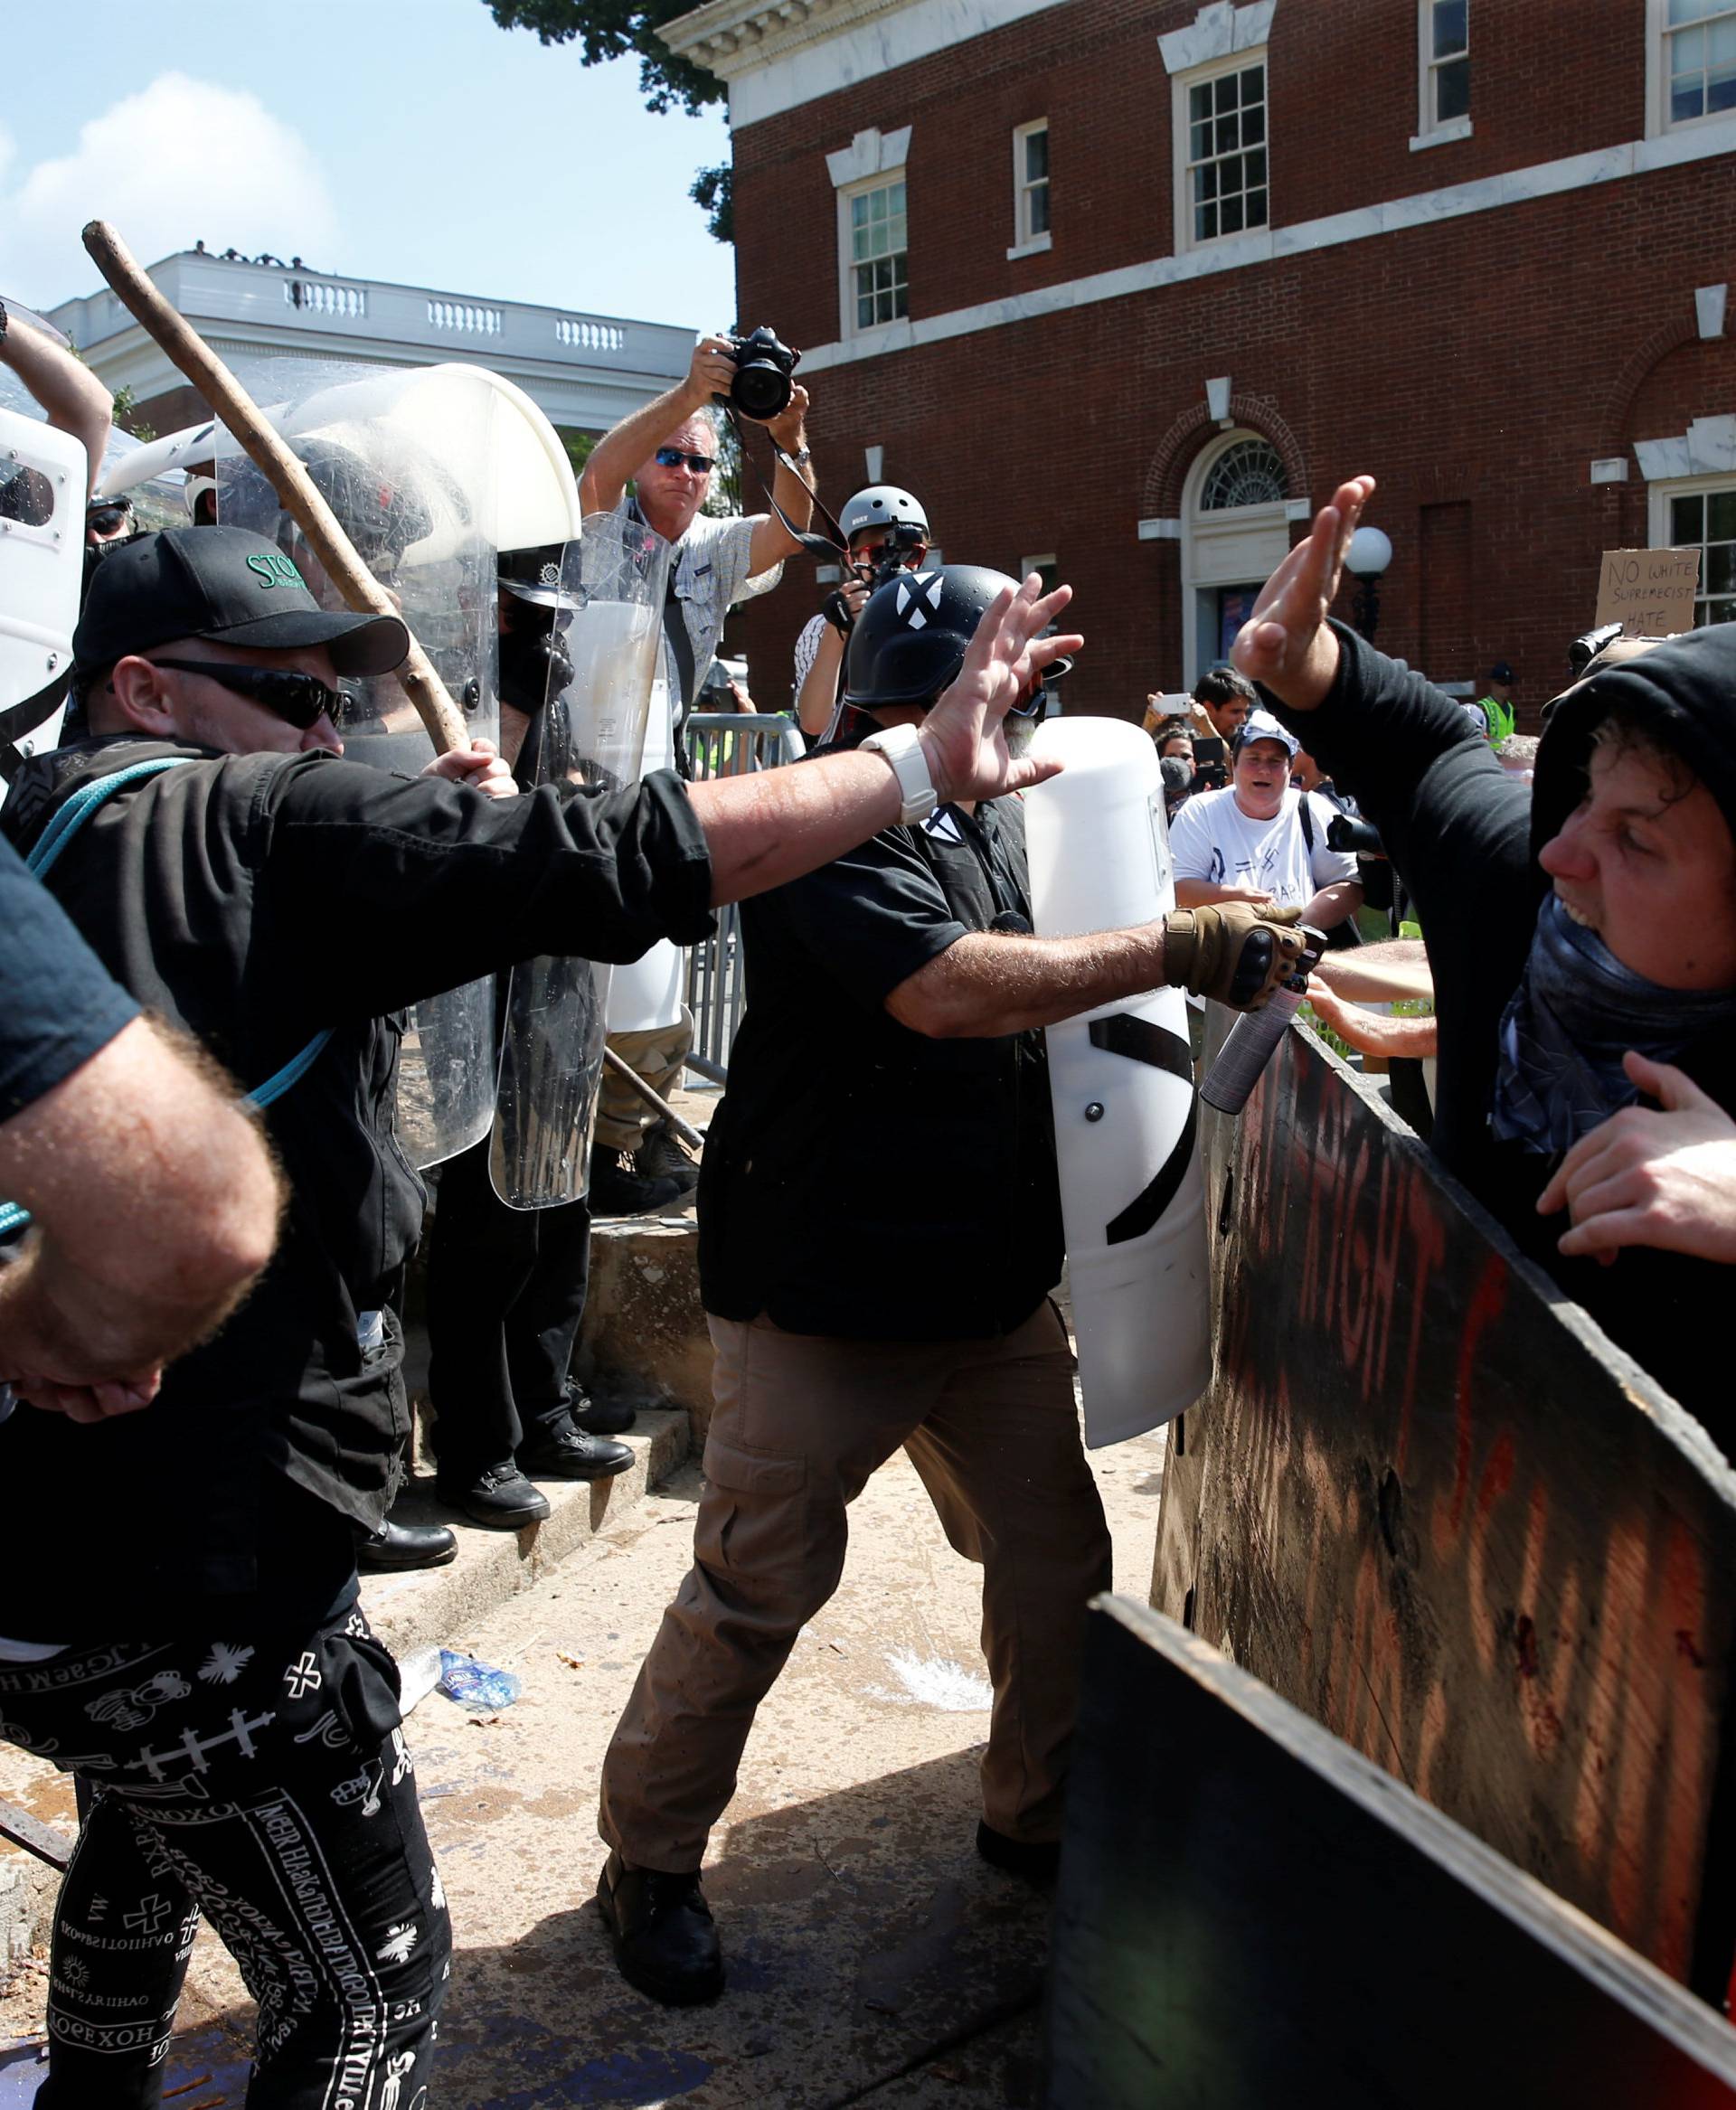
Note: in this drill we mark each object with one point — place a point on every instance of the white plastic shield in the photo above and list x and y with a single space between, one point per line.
407 459
1122 1083
594 733
43 474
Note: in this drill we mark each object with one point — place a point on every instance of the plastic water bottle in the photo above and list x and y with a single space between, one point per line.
475 1684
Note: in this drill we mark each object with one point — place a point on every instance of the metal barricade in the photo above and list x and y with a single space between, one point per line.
728 744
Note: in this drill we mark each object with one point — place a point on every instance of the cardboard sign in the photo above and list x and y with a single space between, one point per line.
1649 592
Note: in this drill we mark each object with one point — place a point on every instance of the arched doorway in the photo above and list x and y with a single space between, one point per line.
1234 535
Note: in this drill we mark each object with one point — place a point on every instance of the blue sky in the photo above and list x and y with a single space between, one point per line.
401 139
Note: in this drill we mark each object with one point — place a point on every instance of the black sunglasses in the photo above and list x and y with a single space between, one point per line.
298 699
107 517
672 457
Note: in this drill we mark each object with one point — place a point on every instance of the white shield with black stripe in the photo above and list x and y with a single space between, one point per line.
1122 1081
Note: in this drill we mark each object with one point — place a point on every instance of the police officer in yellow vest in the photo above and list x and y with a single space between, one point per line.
1497 705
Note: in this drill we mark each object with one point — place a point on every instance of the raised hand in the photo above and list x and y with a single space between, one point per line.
1643 1178
1285 645
964 735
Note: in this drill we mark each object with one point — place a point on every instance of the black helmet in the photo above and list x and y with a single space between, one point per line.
533 575
909 642
382 516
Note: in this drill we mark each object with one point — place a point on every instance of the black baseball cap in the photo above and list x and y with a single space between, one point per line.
229 586
1501 671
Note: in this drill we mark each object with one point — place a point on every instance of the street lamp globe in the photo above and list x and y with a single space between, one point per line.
1369 554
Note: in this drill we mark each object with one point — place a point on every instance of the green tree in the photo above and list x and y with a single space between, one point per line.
577 446
611 29
127 415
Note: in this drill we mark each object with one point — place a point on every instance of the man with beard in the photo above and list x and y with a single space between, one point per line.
879 1234
1581 931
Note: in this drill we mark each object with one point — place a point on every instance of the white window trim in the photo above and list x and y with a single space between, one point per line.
847 329
1024 242
1027 565
1428 132
1657 81
1179 87
1659 496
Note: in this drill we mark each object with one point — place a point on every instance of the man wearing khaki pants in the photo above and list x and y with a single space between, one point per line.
877 1239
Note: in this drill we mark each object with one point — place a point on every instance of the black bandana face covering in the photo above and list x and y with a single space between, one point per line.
534 665
1575 1014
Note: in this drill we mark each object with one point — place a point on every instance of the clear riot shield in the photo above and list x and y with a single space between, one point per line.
551 1047
406 459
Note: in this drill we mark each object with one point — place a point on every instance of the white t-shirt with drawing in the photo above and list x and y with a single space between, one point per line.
1214 842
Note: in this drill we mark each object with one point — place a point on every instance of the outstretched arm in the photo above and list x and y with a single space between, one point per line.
1285 645
75 400
617 454
773 827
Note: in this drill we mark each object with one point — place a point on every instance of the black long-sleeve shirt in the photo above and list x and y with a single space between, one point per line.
255 900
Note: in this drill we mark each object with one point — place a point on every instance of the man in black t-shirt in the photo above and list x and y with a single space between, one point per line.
880 1229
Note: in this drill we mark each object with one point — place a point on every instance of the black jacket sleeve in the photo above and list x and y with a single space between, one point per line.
1453 821
373 890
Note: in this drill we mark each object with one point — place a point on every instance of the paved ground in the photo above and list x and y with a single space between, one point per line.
873 1959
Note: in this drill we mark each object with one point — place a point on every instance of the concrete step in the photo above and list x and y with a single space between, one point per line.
430 1608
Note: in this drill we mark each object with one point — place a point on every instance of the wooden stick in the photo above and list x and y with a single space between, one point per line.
653 1098
294 487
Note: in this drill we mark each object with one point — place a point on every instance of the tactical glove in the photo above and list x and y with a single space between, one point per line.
1235 952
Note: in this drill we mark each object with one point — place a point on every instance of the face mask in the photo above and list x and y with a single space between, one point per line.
94 554
534 665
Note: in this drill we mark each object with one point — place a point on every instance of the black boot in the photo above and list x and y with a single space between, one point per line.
663 1156
1036 1860
500 1498
598 1417
569 1453
664 1941
618 1187
395 1548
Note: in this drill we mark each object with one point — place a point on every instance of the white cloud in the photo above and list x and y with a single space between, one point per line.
182 160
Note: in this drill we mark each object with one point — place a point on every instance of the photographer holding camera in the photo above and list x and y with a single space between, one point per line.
669 451
888 532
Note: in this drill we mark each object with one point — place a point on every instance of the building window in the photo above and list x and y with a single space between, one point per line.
1698 57
1222 151
1249 473
1030 186
1444 60
879 278
1704 518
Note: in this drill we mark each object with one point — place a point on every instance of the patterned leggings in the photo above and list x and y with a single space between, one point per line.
267 1785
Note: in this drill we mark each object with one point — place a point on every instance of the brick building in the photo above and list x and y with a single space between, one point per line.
1127 285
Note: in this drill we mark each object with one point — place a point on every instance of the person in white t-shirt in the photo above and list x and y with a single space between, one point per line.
1250 843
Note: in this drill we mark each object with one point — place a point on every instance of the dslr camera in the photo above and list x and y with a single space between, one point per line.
1351 832
763 386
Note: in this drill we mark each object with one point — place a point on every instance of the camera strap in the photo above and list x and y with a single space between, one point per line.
823 549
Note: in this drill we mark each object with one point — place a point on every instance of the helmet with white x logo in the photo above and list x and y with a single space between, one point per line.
910 640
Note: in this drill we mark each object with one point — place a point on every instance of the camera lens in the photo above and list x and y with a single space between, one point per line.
760 390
